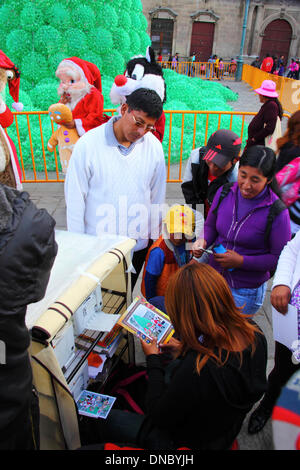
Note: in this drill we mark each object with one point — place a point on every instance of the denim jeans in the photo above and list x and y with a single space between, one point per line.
250 299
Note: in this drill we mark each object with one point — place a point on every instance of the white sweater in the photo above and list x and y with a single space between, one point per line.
107 192
288 267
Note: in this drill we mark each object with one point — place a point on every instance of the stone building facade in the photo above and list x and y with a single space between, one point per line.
208 27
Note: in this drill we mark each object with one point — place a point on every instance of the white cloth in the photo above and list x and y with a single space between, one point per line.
107 192
288 267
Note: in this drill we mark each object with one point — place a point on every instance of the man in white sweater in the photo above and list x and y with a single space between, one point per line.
116 179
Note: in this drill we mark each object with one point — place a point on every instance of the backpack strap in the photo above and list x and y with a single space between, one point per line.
276 208
224 192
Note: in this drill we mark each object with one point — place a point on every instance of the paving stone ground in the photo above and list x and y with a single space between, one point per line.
51 197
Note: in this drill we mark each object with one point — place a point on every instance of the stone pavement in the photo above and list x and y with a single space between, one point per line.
51 197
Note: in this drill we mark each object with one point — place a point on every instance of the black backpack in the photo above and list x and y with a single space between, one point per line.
275 209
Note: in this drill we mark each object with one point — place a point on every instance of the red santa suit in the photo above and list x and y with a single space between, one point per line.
6 116
88 111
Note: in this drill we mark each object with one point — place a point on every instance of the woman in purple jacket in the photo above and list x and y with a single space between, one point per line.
239 223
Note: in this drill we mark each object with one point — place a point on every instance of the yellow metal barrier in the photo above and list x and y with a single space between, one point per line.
204 70
52 159
287 88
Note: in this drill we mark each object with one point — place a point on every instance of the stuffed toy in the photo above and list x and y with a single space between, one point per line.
63 137
81 91
10 171
141 72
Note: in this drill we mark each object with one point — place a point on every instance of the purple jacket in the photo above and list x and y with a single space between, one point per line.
246 237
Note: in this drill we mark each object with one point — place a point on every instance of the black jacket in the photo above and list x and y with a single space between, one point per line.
27 253
195 187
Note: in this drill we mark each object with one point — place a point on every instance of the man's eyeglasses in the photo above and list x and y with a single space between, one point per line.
142 125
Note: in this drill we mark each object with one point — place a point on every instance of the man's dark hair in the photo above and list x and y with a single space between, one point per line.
146 100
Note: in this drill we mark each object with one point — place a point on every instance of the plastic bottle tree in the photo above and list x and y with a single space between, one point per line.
37 35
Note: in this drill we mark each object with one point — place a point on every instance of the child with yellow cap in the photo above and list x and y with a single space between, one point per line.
168 253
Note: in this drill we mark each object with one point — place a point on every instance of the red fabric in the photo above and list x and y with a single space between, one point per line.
211 177
160 127
267 64
90 110
94 360
235 445
298 443
6 120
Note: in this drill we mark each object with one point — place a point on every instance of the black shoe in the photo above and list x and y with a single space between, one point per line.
258 419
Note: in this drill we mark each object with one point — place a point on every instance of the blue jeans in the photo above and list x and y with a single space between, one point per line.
250 299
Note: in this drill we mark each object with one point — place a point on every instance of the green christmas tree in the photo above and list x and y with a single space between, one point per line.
37 34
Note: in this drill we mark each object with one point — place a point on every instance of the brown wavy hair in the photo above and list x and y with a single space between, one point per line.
292 134
199 302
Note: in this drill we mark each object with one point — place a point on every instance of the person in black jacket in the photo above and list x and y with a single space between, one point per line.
210 167
27 253
201 398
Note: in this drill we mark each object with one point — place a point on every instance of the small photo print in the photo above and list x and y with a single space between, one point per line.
94 405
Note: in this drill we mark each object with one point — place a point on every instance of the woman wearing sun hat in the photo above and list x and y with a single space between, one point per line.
264 123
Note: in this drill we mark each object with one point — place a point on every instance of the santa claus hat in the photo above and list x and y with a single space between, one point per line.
14 83
87 70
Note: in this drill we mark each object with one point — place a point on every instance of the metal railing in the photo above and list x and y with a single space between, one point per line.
204 70
287 88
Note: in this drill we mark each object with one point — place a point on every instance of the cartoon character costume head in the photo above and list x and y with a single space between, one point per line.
10 171
141 72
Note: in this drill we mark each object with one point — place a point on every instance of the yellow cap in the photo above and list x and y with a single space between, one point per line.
181 219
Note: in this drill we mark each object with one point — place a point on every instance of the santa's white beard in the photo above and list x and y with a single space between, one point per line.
75 95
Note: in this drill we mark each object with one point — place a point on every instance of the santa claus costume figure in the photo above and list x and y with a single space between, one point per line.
80 89
10 171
